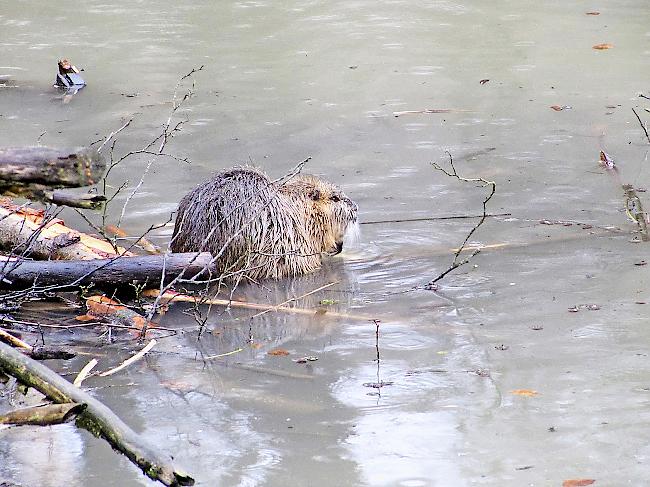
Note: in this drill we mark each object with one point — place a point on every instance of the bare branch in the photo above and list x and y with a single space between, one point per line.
456 263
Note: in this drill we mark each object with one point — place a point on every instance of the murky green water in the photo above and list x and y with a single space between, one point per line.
283 81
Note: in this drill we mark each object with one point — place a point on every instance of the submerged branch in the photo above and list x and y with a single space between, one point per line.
97 418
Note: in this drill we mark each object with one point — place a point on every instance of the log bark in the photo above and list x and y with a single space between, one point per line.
23 230
25 169
96 418
123 271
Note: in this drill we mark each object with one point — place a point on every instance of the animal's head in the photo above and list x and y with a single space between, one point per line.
329 213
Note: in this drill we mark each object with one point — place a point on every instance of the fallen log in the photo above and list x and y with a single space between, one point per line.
25 230
46 415
96 418
24 170
104 273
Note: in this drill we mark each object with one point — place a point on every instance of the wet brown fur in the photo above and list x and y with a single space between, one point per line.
263 228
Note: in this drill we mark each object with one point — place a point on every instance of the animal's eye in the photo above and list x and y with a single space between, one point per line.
335 198
315 195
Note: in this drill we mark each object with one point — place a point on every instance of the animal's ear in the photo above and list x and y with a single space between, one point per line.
314 194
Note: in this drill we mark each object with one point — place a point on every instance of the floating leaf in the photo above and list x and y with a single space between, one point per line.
602 47
85 317
278 352
577 482
592 13
524 392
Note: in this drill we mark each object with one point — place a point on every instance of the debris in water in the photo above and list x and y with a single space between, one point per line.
278 352
577 482
606 160
602 47
68 77
304 360
378 385
590 307
524 392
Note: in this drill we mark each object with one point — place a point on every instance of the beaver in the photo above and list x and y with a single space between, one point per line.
262 228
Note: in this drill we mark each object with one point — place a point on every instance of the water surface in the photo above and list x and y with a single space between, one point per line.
283 81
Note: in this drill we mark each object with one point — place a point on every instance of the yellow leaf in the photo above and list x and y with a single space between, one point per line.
525 392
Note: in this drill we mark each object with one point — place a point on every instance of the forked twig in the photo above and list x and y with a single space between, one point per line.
456 263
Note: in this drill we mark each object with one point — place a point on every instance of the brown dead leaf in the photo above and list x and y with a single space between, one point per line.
592 13
524 392
85 318
115 230
577 482
278 352
602 47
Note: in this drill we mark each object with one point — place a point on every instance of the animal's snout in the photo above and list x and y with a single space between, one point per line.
337 248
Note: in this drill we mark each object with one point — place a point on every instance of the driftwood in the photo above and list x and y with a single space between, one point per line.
45 415
111 273
26 230
24 170
40 352
86 201
96 418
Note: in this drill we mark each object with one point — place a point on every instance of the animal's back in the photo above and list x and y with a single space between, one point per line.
241 217
217 206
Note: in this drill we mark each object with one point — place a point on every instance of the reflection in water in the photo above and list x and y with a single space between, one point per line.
46 456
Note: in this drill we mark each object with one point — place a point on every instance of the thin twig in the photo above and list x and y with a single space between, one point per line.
275 308
645 130
435 218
